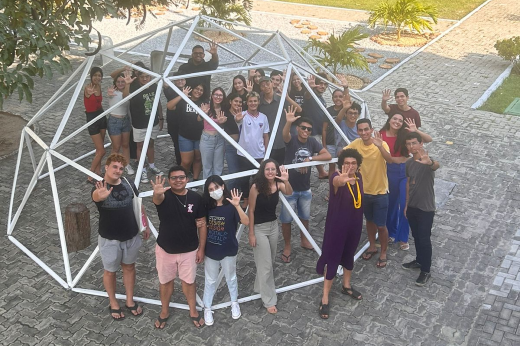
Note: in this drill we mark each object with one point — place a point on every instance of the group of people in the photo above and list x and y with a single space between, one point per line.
385 176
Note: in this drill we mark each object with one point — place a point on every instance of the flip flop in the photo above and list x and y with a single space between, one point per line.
134 309
197 319
404 246
161 321
286 259
116 311
350 291
324 311
381 263
367 255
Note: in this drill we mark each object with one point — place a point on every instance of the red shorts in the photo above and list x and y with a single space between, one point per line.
169 265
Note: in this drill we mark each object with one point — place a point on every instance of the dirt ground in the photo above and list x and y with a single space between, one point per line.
12 126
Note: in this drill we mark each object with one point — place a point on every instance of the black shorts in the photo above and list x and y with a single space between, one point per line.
99 125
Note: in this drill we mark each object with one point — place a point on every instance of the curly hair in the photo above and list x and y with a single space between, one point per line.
116 157
400 141
350 152
261 182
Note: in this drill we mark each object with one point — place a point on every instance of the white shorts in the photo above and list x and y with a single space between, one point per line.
140 134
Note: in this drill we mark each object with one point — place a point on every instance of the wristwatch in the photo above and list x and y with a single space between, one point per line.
310 158
433 162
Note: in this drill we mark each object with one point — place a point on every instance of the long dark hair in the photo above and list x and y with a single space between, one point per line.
400 141
223 104
261 182
209 202
243 79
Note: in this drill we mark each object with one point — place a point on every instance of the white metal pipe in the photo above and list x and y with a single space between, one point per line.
38 261
36 138
15 178
235 24
182 45
258 49
166 45
30 149
85 266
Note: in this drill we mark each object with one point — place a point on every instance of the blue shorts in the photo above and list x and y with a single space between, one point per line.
116 125
300 200
187 145
375 208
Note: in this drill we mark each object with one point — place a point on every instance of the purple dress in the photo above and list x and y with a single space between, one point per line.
342 229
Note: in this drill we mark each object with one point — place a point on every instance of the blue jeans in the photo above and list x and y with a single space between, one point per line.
232 164
299 200
211 269
212 153
396 222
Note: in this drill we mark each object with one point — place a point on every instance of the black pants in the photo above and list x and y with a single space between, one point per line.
421 223
175 139
133 147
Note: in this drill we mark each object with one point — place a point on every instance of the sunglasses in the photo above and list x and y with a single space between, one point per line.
306 128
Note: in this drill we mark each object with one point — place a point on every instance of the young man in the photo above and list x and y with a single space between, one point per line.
119 239
402 107
269 104
141 110
300 148
172 117
197 64
181 242
420 204
375 185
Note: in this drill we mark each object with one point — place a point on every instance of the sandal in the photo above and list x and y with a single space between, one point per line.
381 263
161 321
367 255
197 319
324 311
286 258
91 182
352 292
133 310
404 246
116 311
391 240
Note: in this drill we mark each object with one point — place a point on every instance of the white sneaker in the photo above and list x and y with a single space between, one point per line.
129 170
208 317
155 171
144 177
235 310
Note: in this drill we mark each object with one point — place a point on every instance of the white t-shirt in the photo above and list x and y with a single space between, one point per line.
122 109
252 131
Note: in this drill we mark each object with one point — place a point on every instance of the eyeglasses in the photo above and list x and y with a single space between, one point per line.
306 128
178 177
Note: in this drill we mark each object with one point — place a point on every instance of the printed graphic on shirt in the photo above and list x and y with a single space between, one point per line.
148 102
301 154
189 108
216 233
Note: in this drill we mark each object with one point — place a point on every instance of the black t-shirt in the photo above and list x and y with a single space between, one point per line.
141 105
189 67
116 213
230 126
222 228
178 228
297 96
171 115
313 111
265 208
331 130
297 152
189 126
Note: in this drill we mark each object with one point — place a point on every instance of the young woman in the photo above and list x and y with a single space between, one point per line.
263 226
394 134
190 129
254 76
92 98
223 215
242 88
231 128
297 92
119 125
341 237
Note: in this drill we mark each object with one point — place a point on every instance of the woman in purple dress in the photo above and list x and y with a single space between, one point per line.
342 227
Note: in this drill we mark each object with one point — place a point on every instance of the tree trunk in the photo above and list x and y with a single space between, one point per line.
77 227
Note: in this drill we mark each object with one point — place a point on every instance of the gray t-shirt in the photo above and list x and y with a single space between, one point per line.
421 178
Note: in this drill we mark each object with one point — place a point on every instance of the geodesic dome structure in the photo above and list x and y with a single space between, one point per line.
272 50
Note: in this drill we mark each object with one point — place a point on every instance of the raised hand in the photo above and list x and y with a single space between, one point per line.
186 90
249 86
346 175
205 107
213 47
377 139
423 157
102 191
411 125
252 74
311 80
239 116
347 102
290 114
90 90
284 74
128 77
221 117
387 95
343 80
111 91
235 197
284 174
158 186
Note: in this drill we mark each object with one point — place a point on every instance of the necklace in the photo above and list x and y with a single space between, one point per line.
357 204
185 202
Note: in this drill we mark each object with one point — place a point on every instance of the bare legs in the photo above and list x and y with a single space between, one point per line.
372 230
99 144
286 231
150 152
166 291
189 158
109 281
122 141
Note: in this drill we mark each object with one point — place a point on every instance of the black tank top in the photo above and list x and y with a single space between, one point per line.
265 209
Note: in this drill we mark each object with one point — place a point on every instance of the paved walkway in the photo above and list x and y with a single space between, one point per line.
466 302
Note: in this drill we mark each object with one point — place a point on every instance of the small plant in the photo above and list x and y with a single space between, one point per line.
403 13
228 10
340 51
510 50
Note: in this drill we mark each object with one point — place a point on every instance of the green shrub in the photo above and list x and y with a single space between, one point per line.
510 50
229 10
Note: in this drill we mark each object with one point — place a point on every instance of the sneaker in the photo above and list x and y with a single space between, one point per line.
423 279
194 189
144 177
155 170
235 310
411 265
208 317
129 170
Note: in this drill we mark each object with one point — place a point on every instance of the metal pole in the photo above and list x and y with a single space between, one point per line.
15 178
181 46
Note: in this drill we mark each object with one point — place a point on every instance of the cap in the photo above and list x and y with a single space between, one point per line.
264 79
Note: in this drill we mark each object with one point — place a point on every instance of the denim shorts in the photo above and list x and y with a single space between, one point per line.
375 208
187 145
116 125
300 201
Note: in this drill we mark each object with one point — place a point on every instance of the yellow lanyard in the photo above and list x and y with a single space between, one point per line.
357 204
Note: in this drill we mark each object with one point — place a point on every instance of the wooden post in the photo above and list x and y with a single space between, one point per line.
77 227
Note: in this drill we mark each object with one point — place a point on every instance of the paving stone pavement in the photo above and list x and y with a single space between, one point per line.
475 244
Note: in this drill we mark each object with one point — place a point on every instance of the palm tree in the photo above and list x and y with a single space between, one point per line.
229 10
403 13
340 51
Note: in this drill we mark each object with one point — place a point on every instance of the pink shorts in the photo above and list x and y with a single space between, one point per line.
168 265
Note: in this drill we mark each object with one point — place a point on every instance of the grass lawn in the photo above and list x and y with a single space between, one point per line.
448 9
504 95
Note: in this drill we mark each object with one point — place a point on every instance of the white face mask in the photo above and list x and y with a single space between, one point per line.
216 194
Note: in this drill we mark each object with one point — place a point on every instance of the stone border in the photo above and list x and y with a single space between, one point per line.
35 128
496 84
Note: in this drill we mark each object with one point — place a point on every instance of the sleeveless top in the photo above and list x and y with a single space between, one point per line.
93 103
265 210
391 144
